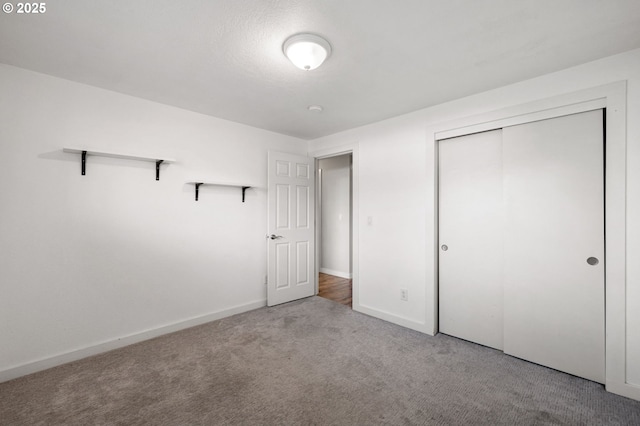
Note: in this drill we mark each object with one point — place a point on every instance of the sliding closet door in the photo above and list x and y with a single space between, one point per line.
554 243
470 238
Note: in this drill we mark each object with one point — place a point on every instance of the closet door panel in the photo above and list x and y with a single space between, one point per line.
554 243
470 226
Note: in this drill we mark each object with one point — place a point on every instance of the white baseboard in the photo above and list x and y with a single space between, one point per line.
395 319
336 273
624 389
53 361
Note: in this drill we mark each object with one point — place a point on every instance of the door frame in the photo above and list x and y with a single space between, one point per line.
355 214
612 97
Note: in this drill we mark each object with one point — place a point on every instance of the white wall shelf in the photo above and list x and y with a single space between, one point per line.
85 152
197 185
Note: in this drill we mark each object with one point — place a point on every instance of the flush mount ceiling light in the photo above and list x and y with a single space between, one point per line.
306 51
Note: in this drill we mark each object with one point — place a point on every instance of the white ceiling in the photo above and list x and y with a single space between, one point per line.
224 57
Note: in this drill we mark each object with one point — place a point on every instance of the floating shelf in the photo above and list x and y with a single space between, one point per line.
197 185
85 152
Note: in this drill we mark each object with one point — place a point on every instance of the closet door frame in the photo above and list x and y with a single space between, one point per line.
612 98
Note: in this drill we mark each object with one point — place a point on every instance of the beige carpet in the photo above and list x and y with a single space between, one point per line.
310 362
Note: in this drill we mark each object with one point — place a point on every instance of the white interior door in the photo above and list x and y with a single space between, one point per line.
291 245
554 199
470 237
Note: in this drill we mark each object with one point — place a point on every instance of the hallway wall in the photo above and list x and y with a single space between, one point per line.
335 258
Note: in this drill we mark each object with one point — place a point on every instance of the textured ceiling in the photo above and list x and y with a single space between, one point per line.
224 57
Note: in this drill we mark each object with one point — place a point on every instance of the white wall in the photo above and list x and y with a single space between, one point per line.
336 216
89 260
396 188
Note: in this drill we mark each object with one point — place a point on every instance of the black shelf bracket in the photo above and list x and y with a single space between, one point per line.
158 162
85 152
242 187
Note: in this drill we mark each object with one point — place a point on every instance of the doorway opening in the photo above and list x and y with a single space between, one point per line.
334 228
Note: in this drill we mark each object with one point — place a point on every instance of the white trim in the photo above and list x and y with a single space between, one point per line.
354 150
628 390
46 363
335 273
612 97
395 319
569 103
524 118
333 151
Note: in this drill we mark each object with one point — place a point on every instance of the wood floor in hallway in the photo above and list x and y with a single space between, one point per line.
335 288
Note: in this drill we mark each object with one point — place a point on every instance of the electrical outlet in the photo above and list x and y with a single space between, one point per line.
404 294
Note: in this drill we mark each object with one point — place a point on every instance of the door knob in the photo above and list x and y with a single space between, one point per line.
593 261
274 236
444 247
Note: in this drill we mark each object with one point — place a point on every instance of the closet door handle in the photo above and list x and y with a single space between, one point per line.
274 236
444 247
593 261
